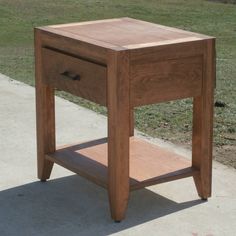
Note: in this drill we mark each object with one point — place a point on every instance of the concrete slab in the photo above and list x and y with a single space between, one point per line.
70 205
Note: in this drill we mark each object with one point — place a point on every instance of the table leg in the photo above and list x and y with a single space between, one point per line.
203 125
118 133
45 116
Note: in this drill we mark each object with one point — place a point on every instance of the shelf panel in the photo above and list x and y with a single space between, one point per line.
149 164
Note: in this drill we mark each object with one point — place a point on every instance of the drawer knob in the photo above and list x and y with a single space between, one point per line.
70 75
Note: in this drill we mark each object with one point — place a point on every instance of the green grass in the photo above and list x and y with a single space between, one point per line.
171 121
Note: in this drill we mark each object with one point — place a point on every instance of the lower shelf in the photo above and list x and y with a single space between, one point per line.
149 164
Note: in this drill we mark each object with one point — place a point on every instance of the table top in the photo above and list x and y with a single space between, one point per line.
126 32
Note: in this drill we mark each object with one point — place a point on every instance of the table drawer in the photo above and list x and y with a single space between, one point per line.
166 80
74 75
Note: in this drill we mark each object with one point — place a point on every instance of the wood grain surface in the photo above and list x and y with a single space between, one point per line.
122 63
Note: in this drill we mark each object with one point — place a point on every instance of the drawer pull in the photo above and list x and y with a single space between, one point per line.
70 75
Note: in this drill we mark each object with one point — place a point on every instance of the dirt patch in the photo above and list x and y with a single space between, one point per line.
226 155
224 1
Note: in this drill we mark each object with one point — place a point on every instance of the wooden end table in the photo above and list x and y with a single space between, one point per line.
121 64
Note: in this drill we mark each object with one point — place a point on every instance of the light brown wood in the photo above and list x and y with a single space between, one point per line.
93 40
66 43
85 23
203 124
173 79
158 26
166 52
92 77
126 31
125 63
45 115
149 164
118 132
162 43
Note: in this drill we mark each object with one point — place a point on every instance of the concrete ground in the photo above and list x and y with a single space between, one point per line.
70 205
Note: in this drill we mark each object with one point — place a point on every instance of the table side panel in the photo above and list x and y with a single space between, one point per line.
172 50
166 80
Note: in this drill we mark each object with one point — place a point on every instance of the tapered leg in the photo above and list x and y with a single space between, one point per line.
118 133
45 116
203 125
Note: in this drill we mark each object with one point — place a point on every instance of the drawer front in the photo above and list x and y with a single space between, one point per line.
76 76
166 80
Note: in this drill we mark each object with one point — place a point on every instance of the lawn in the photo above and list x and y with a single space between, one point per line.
170 121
